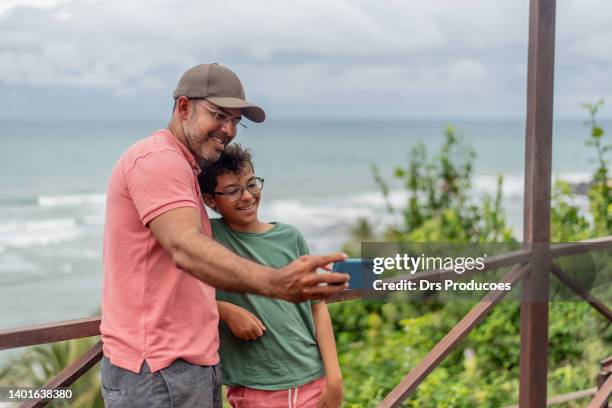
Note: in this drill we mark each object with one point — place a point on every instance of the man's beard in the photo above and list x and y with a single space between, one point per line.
204 162
200 160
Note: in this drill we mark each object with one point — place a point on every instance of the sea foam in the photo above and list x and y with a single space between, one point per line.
23 234
71 200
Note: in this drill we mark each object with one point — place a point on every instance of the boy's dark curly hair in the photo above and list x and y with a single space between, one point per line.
233 159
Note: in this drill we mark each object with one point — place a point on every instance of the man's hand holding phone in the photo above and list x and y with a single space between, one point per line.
298 281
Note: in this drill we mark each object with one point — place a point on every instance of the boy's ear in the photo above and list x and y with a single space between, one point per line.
209 200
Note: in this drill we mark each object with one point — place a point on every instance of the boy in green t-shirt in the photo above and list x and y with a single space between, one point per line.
273 352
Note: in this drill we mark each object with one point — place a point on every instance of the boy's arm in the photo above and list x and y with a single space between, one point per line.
331 397
244 324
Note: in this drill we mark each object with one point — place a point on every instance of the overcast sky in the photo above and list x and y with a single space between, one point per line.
298 59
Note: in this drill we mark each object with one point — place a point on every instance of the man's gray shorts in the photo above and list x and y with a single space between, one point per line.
182 384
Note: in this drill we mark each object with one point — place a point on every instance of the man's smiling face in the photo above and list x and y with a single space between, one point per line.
208 130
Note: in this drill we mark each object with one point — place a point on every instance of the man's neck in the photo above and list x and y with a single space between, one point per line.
177 131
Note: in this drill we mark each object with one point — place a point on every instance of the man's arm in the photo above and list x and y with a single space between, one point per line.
179 232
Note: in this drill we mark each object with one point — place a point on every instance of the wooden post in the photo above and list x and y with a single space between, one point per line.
536 227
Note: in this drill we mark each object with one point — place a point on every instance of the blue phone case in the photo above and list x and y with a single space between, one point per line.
360 271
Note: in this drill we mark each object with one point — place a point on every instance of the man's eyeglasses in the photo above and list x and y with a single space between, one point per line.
254 186
224 117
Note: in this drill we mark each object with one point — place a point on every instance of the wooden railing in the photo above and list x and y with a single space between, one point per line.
479 312
59 331
520 260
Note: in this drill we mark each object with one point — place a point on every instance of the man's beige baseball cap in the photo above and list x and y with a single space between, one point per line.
220 86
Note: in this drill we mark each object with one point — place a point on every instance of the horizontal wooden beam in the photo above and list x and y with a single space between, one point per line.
49 332
350 294
579 247
492 263
571 396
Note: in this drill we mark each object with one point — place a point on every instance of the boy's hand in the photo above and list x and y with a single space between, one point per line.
244 324
331 397
299 281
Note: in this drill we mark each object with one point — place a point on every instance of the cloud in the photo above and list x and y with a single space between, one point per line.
7 5
332 57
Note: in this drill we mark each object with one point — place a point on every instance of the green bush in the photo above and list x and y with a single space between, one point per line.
379 343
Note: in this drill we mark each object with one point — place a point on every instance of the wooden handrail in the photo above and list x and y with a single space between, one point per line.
445 346
579 247
492 263
49 332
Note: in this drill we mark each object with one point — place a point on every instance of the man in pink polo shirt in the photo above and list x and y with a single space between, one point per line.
159 315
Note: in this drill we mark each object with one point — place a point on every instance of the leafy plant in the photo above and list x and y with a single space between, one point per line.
380 342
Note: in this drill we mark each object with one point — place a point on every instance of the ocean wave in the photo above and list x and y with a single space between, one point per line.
93 219
574 177
376 199
328 218
78 252
326 223
23 234
11 263
71 200
318 214
513 183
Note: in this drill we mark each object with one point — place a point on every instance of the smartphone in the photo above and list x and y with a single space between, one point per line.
360 271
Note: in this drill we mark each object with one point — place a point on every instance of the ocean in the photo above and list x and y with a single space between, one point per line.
317 177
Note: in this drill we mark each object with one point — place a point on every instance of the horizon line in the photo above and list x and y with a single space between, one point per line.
300 119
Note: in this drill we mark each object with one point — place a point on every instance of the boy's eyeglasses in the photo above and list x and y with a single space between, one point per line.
254 186
224 117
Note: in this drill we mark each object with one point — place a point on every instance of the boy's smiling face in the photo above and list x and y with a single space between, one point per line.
240 215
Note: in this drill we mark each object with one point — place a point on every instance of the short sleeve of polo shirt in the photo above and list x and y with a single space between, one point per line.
160 181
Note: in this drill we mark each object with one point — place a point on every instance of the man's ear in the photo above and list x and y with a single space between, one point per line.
209 201
183 107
